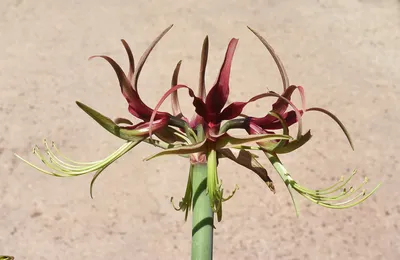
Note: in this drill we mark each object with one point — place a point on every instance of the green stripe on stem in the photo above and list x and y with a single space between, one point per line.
203 216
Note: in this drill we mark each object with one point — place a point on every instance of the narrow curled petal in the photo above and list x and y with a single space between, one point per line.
145 56
263 123
197 119
233 110
204 57
248 160
218 95
129 133
197 102
126 87
136 105
326 112
280 106
279 64
290 118
131 60
176 109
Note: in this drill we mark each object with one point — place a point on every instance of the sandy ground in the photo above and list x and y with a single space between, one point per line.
345 54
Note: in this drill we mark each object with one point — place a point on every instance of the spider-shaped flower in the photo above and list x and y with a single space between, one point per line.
204 138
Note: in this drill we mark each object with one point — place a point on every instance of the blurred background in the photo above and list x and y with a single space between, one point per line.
345 53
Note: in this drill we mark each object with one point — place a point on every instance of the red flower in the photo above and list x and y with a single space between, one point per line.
210 111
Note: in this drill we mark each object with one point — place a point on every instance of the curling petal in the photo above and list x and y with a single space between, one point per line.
136 105
218 95
278 62
262 122
131 60
204 57
145 56
336 119
197 102
176 109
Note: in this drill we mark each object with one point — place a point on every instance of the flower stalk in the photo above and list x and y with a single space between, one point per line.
202 215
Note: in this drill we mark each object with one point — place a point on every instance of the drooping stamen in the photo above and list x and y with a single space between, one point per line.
61 168
325 197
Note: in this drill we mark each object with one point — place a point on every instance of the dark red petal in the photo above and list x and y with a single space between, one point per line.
264 121
126 87
289 117
336 119
146 55
131 60
196 120
232 111
176 108
236 108
254 129
196 102
204 56
278 62
218 95
280 105
136 105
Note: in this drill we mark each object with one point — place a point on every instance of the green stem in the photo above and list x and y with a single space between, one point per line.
203 216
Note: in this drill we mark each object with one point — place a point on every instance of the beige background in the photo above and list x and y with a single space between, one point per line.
345 53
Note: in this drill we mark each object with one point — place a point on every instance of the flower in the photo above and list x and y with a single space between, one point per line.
205 138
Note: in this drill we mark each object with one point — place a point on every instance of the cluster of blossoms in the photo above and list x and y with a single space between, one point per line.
204 138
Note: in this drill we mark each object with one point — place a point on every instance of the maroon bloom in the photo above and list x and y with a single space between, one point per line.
210 111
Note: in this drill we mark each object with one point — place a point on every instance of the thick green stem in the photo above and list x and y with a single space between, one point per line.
203 216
